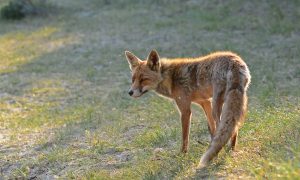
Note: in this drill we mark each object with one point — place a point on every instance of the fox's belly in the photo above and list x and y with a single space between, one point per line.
201 94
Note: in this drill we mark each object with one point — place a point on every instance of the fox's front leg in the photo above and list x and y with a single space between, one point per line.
185 111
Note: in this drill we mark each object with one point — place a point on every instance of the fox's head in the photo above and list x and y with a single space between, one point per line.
146 74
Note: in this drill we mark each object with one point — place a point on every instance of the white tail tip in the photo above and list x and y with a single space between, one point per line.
203 163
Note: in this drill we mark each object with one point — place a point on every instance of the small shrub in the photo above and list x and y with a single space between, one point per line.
18 9
14 10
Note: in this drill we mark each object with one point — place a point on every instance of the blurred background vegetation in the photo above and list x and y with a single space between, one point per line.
64 108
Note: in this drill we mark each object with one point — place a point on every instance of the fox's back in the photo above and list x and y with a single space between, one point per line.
202 72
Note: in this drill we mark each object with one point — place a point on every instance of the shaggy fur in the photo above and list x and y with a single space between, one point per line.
217 82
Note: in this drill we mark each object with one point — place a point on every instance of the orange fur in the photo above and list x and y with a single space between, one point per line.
217 82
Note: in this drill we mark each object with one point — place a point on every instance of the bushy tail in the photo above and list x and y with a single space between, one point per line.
232 114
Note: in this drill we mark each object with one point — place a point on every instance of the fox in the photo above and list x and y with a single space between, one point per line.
217 82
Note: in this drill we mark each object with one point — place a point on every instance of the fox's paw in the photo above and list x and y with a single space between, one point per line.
184 150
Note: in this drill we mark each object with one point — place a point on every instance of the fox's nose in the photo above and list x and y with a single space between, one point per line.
130 92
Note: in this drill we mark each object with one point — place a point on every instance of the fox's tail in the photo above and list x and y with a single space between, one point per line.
233 111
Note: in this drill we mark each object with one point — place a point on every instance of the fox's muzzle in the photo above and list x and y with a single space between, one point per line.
136 92
130 92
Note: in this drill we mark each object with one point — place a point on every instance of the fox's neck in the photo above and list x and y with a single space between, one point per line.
178 69
165 86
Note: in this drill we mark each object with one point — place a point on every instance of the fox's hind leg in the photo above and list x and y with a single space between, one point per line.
234 140
206 105
217 102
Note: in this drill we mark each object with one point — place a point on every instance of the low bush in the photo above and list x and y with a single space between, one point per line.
18 9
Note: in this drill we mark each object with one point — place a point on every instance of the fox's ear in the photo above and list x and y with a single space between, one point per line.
153 60
132 60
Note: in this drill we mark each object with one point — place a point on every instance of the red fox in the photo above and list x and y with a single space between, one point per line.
217 82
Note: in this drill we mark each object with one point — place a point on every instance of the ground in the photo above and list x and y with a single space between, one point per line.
65 111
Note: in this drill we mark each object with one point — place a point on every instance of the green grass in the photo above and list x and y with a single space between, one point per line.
64 108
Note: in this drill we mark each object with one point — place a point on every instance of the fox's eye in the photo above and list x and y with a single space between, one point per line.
144 79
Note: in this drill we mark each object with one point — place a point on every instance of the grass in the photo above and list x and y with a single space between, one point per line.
64 108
